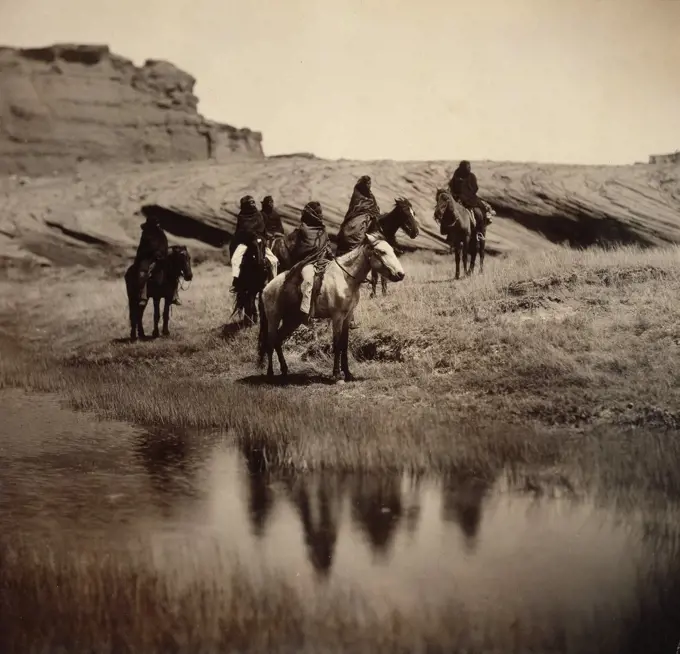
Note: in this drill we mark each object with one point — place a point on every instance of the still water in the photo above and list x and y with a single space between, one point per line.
400 540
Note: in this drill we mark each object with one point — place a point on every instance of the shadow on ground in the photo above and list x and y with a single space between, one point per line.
292 379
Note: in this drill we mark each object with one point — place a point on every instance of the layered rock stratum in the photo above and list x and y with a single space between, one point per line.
93 217
65 105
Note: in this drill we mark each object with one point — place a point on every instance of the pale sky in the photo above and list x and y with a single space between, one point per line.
573 81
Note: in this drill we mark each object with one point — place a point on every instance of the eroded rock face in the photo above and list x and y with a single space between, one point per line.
66 104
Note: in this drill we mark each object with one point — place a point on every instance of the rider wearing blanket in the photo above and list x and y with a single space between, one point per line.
363 208
463 187
272 219
250 224
152 251
312 246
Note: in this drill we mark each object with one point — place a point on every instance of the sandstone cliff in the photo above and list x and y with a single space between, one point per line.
66 104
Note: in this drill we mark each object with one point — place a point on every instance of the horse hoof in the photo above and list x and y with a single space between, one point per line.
349 377
166 332
155 334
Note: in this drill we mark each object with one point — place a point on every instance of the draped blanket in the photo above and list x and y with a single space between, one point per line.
362 210
272 222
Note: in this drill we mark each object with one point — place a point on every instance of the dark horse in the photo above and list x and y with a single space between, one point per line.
282 245
255 273
161 285
387 225
455 223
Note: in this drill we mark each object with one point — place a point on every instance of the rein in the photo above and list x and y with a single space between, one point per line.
349 274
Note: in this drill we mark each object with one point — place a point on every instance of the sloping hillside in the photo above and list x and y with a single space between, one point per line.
93 217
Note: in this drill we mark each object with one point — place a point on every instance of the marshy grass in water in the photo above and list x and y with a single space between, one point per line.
94 599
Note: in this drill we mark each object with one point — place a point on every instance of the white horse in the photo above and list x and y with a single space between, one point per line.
337 298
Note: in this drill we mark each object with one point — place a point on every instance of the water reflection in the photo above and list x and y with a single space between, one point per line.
377 510
165 455
399 539
260 494
318 504
462 501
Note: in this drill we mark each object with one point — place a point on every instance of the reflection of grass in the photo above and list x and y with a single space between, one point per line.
59 596
561 357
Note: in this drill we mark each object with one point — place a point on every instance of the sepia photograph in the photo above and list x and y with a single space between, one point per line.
340 326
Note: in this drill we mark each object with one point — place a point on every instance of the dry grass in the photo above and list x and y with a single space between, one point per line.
565 357
54 595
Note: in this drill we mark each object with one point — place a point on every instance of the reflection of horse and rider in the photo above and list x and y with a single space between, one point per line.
305 253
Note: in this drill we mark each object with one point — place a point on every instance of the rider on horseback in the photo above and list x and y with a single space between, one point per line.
312 245
250 224
463 187
272 219
362 203
152 251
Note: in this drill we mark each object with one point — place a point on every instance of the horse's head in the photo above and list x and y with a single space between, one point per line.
383 258
407 215
182 261
442 204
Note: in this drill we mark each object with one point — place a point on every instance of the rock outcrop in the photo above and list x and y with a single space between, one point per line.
93 219
66 104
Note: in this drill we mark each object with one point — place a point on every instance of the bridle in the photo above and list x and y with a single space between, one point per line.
181 271
373 251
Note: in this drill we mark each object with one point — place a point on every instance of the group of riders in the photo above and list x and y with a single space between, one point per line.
310 241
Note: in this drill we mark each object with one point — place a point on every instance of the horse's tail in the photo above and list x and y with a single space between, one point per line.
263 336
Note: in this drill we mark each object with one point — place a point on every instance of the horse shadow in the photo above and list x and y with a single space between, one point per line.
292 379
126 340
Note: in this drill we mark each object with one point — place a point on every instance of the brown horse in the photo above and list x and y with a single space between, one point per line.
456 224
282 245
161 285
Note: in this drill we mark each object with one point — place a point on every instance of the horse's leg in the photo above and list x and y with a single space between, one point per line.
253 309
383 282
482 246
344 347
473 252
466 249
374 282
338 323
167 303
140 320
271 337
156 315
281 335
133 317
457 253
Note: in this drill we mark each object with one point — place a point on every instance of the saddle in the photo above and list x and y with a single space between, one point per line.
293 279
